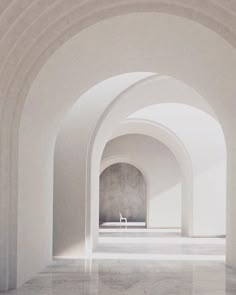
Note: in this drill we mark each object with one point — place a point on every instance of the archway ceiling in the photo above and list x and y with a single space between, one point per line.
204 145
154 90
30 31
200 133
158 132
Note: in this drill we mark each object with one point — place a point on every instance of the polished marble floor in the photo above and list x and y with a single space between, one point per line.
157 244
129 263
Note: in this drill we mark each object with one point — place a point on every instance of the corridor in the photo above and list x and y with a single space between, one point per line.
117 111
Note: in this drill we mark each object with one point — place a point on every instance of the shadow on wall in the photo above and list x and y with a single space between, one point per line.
122 190
165 192
68 219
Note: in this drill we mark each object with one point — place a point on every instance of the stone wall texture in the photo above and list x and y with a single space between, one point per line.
122 189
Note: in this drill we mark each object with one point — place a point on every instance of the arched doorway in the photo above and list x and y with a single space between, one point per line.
122 191
199 84
163 174
134 99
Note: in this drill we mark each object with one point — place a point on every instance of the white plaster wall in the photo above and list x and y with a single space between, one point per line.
70 158
192 61
174 144
203 138
200 132
162 172
180 48
35 204
89 130
210 192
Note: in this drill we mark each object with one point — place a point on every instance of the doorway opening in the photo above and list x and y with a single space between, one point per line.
164 239
122 197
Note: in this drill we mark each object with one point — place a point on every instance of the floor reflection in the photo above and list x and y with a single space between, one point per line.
116 268
161 244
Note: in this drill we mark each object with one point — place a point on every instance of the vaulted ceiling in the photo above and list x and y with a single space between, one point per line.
30 31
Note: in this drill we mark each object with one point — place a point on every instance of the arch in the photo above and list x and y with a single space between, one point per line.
176 116
10 131
177 148
115 112
159 163
108 162
193 11
121 159
132 98
209 172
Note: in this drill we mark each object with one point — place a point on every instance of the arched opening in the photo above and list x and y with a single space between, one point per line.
134 99
122 194
113 118
164 188
204 140
162 174
36 136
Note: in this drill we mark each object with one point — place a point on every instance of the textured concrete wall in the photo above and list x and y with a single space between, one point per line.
122 189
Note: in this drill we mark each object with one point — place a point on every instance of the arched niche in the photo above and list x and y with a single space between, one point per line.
122 190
